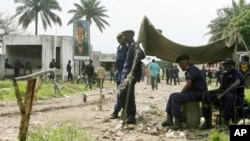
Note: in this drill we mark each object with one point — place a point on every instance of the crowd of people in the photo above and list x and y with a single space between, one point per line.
127 71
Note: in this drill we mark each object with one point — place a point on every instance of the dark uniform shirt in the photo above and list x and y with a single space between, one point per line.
69 67
198 81
129 63
122 51
229 78
52 65
90 70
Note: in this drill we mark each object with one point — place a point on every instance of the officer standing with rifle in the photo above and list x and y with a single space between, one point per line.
131 74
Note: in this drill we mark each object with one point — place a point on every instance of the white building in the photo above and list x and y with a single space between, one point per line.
40 50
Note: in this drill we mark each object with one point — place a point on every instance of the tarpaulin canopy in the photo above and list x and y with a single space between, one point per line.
155 44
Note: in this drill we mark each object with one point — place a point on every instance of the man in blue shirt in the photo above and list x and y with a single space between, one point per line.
154 72
126 71
192 91
121 55
224 95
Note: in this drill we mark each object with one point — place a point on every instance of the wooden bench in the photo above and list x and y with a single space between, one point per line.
191 113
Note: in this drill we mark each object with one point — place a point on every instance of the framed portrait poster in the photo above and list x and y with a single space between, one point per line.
81 44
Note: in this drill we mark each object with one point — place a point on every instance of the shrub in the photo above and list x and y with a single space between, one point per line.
218 136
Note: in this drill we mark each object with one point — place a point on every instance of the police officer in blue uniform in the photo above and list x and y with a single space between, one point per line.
131 111
121 55
192 91
231 79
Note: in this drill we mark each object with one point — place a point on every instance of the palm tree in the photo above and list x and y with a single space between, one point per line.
91 10
225 15
30 9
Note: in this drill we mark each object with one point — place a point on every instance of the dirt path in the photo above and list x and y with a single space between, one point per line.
150 109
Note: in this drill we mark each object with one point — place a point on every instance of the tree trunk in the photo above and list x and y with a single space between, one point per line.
36 22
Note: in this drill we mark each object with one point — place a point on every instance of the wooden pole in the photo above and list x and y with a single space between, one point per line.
26 107
34 81
101 80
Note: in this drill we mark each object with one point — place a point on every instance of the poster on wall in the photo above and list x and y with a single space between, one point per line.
81 45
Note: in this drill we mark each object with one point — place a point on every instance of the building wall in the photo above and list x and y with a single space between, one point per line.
49 45
2 60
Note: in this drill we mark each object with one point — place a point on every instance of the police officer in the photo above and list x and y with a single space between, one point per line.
121 55
231 79
69 67
131 111
218 76
172 75
192 91
167 75
176 74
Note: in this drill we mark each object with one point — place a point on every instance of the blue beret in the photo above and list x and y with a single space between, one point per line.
131 32
182 57
229 61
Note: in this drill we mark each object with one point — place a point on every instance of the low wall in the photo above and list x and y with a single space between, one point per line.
9 73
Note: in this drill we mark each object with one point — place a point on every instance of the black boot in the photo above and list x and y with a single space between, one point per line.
207 114
177 124
114 115
131 120
224 126
168 121
206 125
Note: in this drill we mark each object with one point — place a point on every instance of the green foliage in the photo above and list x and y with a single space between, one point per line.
64 132
218 136
164 64
241 23
29 10
7 92
92 11
229 18
247 95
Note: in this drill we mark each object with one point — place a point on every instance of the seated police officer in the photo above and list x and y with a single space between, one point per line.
224 95
192 91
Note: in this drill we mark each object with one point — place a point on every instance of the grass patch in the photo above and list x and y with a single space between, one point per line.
218 136
64 132
45 91
7 92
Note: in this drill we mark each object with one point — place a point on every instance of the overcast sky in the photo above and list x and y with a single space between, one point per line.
182 21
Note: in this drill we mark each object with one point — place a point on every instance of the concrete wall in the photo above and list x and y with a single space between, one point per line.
2 60
49 45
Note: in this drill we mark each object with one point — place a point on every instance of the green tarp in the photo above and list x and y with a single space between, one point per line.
155 44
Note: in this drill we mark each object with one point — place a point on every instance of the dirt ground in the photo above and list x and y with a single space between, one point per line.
150 113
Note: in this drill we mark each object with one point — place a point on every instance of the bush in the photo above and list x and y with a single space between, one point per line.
247 94
218 136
